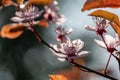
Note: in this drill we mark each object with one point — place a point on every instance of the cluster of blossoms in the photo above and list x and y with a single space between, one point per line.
108 42
67 49
51 14
25 18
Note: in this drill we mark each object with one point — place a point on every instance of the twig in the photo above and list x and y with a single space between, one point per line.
92 71
39 38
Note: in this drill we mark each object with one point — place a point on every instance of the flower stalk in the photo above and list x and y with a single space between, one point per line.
110 56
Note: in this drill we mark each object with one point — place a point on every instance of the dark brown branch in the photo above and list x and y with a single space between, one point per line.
92 71
39 38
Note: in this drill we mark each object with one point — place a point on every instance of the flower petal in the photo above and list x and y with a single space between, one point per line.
60 55
18 13
117 38
61 59
83 53
16 19
90 28
109 40
100 43
70 30
78 44
60 20
59 30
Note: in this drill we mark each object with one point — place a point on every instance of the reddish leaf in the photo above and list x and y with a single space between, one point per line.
113 18
20 2
40 2
115 27
12 31
6 2
91 4
57 77
107 15
43 23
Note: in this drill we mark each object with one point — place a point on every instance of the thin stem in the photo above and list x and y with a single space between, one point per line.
107 46
111 53
107 63
92 71
40 39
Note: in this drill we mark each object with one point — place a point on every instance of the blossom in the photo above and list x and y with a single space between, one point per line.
25 19
62 33
69 50
27 15
51 14
101 25
111 43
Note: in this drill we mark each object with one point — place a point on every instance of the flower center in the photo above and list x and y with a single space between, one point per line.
111 50
100 31
71 51
60 36
50 17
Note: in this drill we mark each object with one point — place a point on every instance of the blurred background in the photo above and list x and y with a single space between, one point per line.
26 59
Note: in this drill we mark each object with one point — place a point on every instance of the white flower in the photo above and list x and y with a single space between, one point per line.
101 25
62 33
69 50
27 15
51 14
111 43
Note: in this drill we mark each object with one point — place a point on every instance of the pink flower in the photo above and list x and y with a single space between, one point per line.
62 33
69 50
111 43
101 25
51 14
27 15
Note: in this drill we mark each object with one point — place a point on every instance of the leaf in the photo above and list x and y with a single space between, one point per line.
91 4
57 77
115 27
43 23
40 2
12 31
107 15
20 1
6 2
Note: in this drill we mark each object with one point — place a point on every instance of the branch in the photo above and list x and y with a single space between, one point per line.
39 38
92 71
